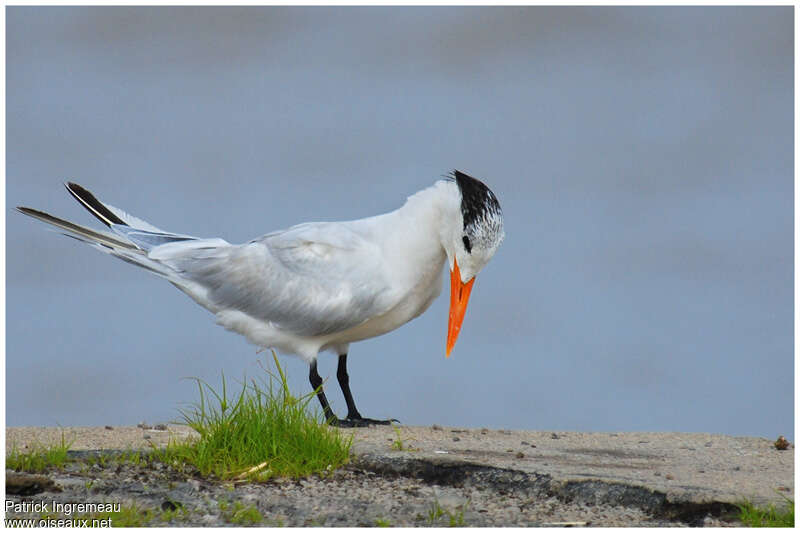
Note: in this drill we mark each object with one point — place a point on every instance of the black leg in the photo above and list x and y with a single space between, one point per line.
344 383
353 416
316 384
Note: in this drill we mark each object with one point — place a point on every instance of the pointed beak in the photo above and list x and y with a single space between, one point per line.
459 297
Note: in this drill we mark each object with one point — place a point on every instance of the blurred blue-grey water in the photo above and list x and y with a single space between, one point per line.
643 158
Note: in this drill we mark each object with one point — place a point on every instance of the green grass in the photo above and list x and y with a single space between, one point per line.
455 518
770 516
135 516
399 444
240 515
179 513
127 516
261 432
129 456
435 512
39 458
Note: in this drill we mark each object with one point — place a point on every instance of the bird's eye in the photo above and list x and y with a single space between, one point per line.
467 244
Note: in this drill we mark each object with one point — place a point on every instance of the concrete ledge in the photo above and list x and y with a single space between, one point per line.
687 468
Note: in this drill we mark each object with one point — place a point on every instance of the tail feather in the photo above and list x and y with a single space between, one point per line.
107 213
142 234
147 240
132 240
105 242
83 233
93 205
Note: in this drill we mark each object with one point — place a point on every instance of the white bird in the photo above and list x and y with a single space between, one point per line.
320 285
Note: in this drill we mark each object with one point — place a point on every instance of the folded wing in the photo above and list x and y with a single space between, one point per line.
311 279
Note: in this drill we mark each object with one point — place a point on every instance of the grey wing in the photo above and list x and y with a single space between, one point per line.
311 279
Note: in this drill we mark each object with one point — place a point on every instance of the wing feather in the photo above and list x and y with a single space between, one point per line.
311 279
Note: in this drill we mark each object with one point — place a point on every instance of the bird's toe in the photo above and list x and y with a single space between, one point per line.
372 421
349 422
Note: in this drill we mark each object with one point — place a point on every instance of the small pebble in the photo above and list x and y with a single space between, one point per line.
456 439
146 437
109 427
484 431
524 443
520 455
708 444
553 436
437 427
669 476
169 505
782 443
161 427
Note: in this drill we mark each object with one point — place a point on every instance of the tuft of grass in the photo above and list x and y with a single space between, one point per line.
180 513
399 444
455 518
130 456
259 433
39 458
383 522
435 512
752 516
134 457
240 515
127 516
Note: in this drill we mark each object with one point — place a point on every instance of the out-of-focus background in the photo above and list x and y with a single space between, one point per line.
643 158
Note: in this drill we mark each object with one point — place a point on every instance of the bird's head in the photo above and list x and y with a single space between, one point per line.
470 243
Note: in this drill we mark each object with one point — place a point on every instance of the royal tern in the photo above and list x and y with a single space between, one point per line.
320 285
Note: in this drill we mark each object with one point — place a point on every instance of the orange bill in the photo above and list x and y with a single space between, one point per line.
459 296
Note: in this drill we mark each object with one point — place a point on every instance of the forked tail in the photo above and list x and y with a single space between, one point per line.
130 238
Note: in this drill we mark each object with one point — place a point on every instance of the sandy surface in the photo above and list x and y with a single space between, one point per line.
96 438
687 467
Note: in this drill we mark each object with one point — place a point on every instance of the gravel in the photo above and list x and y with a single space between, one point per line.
351 496
360 494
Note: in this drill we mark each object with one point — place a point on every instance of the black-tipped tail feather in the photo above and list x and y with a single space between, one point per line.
93 205
129 232
110 243
77 231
